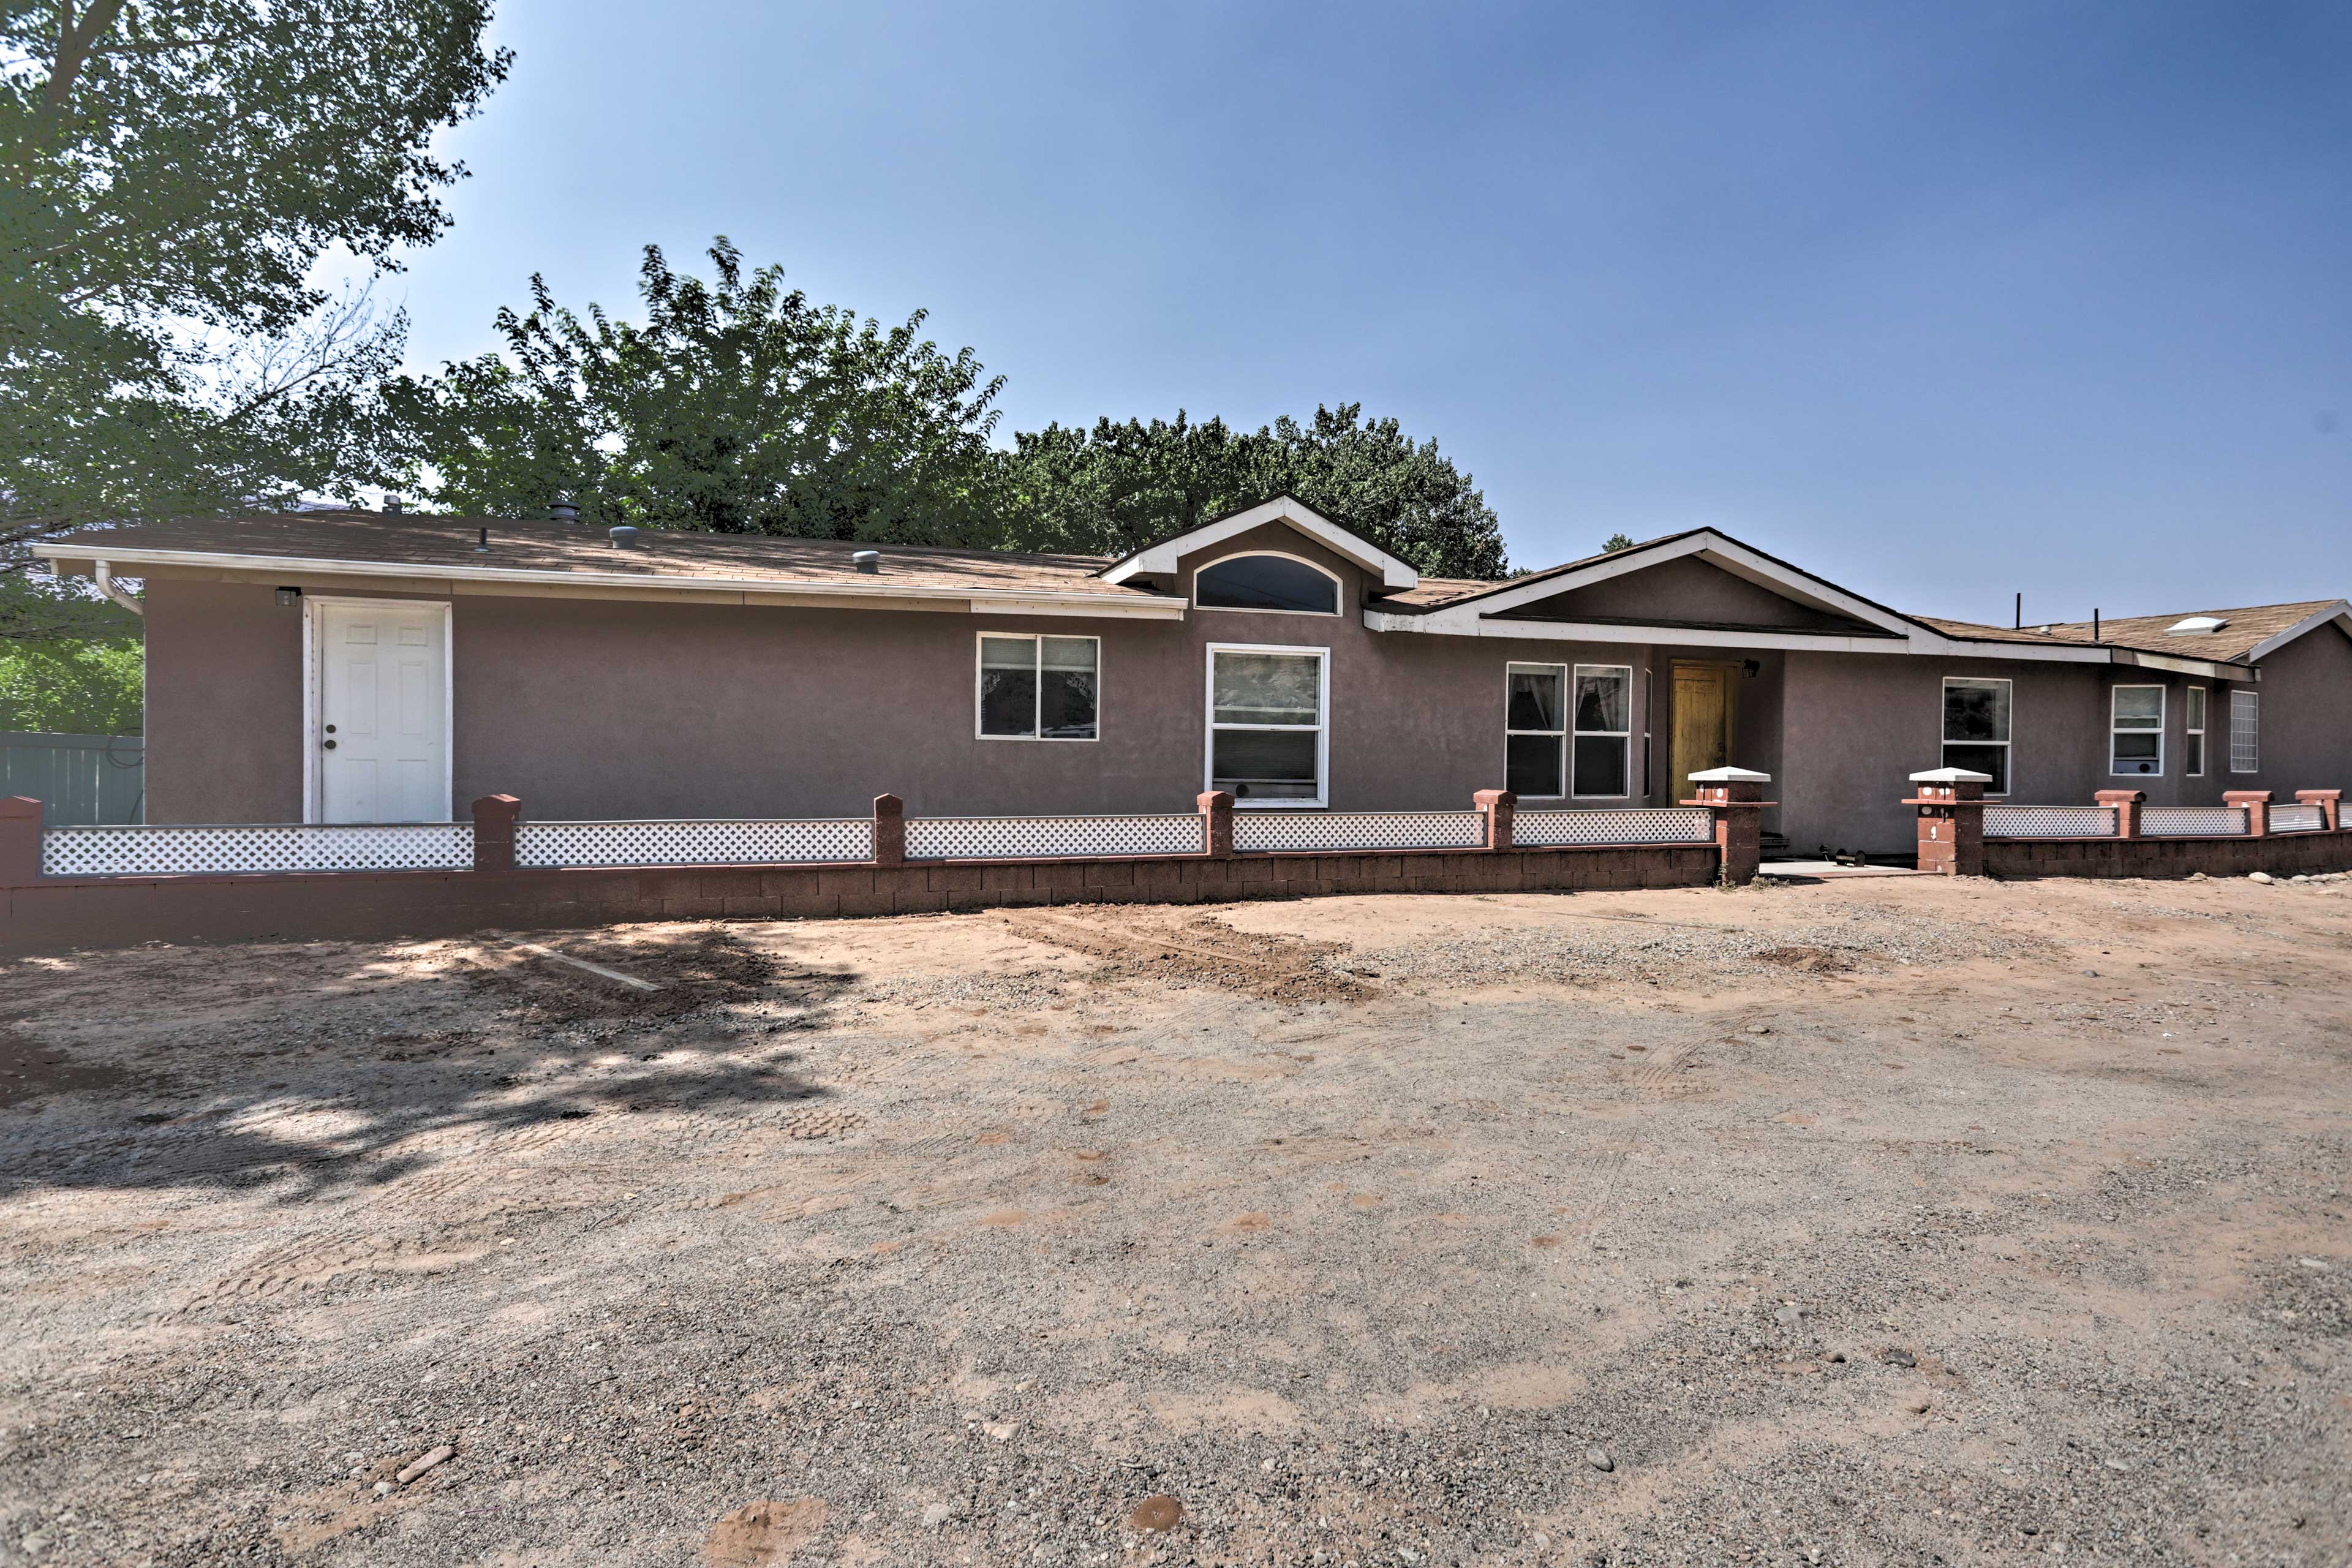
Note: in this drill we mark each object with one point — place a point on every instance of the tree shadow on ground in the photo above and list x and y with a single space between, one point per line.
342 1065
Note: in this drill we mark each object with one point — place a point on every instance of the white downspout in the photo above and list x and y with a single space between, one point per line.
107 586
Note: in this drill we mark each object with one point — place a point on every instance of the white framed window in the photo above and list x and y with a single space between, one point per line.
1534 731
2192 715
1267 582
2136 731
1038 688
1976 712
1268 740
1601 755
2245 732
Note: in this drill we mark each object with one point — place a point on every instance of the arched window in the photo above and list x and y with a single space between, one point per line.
1279 583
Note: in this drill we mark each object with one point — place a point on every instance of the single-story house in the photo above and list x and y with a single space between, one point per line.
353 666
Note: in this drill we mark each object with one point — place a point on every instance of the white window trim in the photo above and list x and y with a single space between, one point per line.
1209 725
1037 697
2163 717
1566 691
2254 701
2007 745
1625 734
1338 588
2204 747
314 689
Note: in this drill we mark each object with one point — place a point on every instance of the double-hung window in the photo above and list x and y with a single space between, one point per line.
1603 753
2135 730
2245 732
2193 722
1039 687
1534 731
1268 739
1976 728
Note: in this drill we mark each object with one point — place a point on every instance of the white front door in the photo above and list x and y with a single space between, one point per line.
382 726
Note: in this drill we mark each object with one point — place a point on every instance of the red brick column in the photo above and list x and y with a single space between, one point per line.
1217 826
2126 803
1498 807
495 817
1951 820
1736 796
20 841
2330 803
889 830
2257 802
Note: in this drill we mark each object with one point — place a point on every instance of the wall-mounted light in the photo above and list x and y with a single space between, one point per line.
290 596
1752 670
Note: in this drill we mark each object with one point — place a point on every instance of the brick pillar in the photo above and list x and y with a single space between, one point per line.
889 830
1498 807
1217 822
20 841
2126 803
2330 803
1736 796
495 817
2257 802
1951 820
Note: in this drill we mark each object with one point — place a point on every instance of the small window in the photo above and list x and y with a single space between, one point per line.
1976 728
1276 582
1534 731
2245 732
2193 715
1038 688
1603 754
1266 724
2136 731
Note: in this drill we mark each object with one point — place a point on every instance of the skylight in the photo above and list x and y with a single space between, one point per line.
2195 626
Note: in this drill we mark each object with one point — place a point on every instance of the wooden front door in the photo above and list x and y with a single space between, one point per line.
1702 721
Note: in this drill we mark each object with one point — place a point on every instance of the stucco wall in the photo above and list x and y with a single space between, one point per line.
1679 593
223 703
2306 721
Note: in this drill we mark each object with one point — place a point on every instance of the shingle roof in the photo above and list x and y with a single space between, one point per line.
426 542
2244 629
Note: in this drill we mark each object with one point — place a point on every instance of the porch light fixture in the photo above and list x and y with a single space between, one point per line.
290 596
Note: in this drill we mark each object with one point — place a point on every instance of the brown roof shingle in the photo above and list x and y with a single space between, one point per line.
2245 628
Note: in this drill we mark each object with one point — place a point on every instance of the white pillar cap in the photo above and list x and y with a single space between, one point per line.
1950 776
1730 775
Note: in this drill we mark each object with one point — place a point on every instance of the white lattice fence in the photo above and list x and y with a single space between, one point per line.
2298 819
718 842
1266 830
1672 825
160 852
2050 822
1047 837
2192 821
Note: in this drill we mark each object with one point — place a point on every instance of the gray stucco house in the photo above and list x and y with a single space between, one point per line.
361 666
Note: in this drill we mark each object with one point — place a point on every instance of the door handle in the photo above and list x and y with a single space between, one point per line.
328 745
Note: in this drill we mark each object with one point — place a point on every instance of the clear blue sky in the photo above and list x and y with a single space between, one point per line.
1938 302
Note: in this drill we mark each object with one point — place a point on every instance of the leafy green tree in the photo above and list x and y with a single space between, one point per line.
170 172
1615 542
72 688
737 406
1120 486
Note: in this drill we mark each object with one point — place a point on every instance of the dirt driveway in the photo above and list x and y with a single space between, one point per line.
1871 1222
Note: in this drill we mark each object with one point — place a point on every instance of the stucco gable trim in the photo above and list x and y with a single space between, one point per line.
1717 550
1162 558
2340 612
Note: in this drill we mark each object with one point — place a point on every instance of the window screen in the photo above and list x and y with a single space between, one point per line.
1038 688
1265 725
1601 756
2136 732
1535 730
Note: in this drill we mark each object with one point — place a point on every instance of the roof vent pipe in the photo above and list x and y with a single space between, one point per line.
482 543
2095 626
622 536
564 511
866 560
391 506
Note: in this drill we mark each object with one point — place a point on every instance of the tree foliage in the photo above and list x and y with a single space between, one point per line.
72 688
737 406
1120 486
1615 542
172 171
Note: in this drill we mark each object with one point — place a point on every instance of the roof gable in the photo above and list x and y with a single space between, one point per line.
1161 557
1688 590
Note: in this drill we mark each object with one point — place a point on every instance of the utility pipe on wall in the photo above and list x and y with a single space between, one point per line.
108 586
